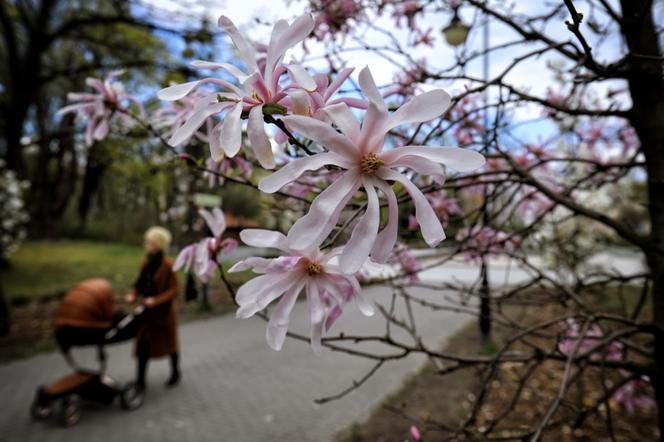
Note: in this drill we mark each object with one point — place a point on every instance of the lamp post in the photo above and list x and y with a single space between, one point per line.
456 33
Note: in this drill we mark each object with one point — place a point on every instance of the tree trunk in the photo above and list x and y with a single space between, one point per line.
4 313
95 167
646 86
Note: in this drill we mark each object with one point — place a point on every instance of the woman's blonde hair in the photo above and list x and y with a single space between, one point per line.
159 236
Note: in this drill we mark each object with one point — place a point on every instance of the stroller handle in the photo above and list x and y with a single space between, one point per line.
124 322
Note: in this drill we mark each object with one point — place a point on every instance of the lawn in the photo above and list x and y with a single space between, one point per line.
47 269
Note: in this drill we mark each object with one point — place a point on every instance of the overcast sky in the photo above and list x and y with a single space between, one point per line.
532 76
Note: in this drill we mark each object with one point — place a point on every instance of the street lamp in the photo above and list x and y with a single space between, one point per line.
457 31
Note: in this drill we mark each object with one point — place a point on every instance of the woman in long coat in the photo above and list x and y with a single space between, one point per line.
157 286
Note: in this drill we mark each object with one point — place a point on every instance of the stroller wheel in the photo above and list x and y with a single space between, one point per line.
40 411
42 407
70 413
131 397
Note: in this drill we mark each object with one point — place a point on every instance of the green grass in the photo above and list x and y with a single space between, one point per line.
44 270
47 269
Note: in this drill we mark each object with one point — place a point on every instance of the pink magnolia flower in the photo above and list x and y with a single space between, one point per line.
100 107
327 288
335 16
415 433
407 261
313 103
407 9
259 91
175 113
358 150
485 240
206 254
635 394
424 37
589 340
310 103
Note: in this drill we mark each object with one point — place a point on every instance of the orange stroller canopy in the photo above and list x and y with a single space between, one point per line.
88 304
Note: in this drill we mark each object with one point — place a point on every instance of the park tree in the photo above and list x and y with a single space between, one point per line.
51 47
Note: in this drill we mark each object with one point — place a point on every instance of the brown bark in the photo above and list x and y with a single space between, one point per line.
646 85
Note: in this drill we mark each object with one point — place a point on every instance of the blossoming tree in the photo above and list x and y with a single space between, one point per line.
352 157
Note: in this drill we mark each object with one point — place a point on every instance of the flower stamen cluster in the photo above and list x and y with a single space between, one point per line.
370 163
313 268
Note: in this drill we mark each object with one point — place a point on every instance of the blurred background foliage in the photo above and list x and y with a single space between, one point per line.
113 189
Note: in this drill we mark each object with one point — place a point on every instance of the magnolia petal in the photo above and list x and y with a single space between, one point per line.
231 131
89 131
258 139
316 336
255 263
369 88
271 60
185 258
215 220
264 238
292 171
314 301
422 166
301 77
202 257
343 118
81 96
332 317
432 230
277 327
96 84
300 102
388 236
363 304
237 73
421 108
316 314
244 48
323 134
258 293
357 103
177 91
463 160
337 82
374 120
101 130
287 38
194 122
372 134
74 108
363 237
323 214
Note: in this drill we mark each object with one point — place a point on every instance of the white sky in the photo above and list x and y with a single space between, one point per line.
533 76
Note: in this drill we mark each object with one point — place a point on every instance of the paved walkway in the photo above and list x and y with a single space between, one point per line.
234 387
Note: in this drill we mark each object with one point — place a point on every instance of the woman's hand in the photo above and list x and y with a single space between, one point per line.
149 302
130 298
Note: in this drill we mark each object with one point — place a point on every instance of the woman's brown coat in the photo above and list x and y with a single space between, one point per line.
159 322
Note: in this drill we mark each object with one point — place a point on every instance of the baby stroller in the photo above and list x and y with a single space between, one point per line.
86 318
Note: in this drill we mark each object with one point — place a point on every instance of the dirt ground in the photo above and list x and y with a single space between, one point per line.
429 399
